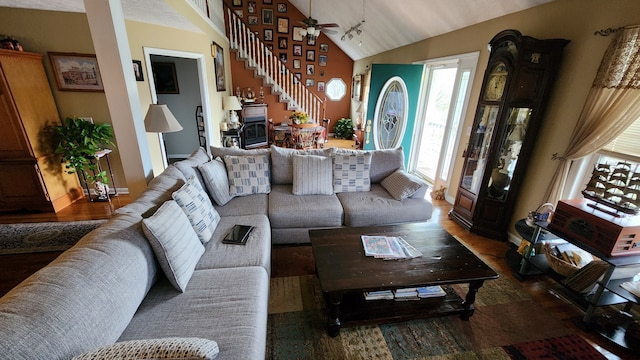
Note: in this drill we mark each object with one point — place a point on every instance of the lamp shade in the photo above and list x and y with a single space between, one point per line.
232 103
159 119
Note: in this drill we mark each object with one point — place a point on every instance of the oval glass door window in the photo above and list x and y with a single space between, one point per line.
390 117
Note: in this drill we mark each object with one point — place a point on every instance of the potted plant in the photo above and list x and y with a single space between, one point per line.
299 117
77 141
344 129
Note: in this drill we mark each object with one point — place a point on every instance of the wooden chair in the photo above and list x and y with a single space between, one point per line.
304 135
321 136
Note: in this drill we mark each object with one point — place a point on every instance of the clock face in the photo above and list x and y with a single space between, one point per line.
496 83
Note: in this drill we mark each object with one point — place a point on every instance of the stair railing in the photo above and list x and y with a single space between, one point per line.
271 69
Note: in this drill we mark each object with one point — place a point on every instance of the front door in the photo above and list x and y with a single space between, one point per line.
394 92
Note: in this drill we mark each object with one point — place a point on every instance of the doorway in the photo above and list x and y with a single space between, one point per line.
187 99
446 92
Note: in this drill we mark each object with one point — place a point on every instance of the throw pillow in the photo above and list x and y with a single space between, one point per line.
248 174
196 204
189 165
165 348
351 172
174 242
282 162
312 175
214 173
400 185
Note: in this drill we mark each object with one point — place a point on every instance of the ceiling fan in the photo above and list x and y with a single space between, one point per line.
313 28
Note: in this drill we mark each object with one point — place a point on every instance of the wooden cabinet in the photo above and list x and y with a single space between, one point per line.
514 93
31 175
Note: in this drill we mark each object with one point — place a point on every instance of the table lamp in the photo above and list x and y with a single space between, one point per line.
231 104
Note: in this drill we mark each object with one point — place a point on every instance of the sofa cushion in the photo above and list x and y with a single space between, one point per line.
221 152
256 251
401 184
237 296
189 166
174 242
248 174
256 204
312 175
194 201
166 348
351 172
83 299
377 207
157 192
287 210
282 162
214 173
383 161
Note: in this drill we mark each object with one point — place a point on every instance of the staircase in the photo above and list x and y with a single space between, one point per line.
274 73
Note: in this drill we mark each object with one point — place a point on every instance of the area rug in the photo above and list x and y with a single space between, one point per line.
507 324
42 237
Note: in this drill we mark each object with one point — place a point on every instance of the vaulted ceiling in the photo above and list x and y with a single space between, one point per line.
387 24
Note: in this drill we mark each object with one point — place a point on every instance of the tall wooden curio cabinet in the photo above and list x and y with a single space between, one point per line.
515 89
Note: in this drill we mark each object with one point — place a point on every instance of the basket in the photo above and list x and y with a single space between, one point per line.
558 265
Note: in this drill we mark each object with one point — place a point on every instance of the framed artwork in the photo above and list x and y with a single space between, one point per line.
270 47
298 75
282 42
322 60
267 2
320 86
282 7
297 50
239 12
283 57
309 82
252 7
76 72
311 55
267 16
321 72
356 87
311 41
237 2
137 70
297 33
324 47
297 64
218 59
164 74
252 19
283 25
268 34
310 69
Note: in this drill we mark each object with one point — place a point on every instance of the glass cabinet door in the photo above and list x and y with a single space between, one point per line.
508 154
478 148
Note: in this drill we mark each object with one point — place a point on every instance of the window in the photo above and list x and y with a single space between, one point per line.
336 89
390 118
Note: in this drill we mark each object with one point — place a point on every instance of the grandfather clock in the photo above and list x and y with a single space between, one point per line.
515 89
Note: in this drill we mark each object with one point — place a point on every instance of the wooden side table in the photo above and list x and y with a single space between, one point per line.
97 157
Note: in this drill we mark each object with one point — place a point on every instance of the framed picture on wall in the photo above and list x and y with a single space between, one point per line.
252 19
309 82
324 47
237 2
320 86
252 8
282 42
282 7
297 50
76 72
267 2
311 55
297 64
267 16
283 25
322 60
218 59
310 69
297 33
137 70
268 34
311 41
164 76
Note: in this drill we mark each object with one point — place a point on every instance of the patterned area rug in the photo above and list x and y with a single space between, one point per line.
43 237
507 324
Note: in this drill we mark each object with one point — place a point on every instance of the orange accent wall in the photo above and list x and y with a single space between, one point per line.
338 65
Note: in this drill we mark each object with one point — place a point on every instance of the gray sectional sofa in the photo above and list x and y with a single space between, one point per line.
152 279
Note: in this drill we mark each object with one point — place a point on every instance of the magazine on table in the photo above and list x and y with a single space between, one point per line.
388 247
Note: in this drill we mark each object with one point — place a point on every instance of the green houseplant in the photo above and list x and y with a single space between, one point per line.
344 128
77 141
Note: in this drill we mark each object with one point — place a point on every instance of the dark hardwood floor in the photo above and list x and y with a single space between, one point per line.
298 260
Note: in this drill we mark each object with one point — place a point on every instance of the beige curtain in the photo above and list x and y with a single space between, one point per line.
611 106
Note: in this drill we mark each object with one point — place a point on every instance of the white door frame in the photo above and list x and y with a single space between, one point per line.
202 81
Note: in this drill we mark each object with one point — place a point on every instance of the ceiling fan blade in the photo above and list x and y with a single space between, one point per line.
329 31
328 25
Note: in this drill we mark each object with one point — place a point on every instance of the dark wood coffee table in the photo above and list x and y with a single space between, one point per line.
345 273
